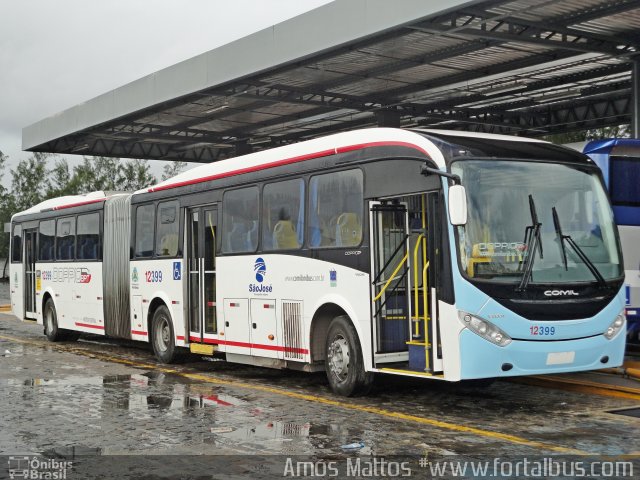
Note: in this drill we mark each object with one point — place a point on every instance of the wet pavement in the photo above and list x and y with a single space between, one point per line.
101 398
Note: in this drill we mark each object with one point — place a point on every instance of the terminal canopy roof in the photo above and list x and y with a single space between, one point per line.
525 67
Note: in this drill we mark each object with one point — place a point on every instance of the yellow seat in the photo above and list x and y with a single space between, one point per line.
285 236
348 230
477 257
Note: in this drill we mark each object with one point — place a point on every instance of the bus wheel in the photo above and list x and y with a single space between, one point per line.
162 338
344 363
51 330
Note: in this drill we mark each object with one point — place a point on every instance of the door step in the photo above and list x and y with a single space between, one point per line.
202 349
402 371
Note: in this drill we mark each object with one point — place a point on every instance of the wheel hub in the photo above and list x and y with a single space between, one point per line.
164 334
339 357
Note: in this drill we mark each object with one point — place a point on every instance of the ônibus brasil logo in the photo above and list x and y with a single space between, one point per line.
260 271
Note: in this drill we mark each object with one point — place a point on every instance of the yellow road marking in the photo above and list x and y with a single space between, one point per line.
311 398
580 386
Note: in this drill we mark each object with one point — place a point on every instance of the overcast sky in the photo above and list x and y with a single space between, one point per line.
57 53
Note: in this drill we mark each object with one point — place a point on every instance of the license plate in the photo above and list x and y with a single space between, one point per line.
560 358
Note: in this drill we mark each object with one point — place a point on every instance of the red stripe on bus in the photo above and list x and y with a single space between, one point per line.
277 163
138 332
180 337
89 325
175 302
79 204
259 346
360 146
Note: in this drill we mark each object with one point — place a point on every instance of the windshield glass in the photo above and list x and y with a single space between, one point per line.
503 200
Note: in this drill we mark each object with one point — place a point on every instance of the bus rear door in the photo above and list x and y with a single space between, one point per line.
201 237
32 279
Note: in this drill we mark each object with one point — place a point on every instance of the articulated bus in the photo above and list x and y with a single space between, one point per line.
619 160
423 253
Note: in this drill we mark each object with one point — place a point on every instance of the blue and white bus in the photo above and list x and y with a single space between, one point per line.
619 160
421 253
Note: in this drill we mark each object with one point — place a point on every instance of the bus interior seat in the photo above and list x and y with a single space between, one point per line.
169 244
252 236
284 235
348 230
236 239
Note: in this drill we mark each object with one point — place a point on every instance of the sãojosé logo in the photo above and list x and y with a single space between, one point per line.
559 293
260 271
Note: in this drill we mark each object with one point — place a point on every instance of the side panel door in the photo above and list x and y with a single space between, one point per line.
236 320
264 337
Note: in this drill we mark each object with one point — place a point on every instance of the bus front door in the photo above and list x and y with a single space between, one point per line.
390 280
405 257
31 278
201 251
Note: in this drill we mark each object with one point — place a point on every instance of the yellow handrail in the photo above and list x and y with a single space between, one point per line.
427 343
404 259
415 279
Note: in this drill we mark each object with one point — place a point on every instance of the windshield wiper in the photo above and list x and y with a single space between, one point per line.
567 238
532 242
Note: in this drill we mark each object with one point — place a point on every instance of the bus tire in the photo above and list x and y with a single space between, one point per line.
162 337
51 330
50 320
344 363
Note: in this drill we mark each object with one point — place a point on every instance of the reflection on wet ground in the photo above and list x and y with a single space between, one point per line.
53 400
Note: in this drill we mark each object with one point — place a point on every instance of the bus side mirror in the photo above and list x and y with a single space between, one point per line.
457 205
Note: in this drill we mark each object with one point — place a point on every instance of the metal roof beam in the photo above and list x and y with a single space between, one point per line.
402 64
603 10
588 113
555 81
508 32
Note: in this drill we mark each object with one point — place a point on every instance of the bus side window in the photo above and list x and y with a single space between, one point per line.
336 209
240 220
283 215
65 238
16 244
167 229
88 237
46 240
145 215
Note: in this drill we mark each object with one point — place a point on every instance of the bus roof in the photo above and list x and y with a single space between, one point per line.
69 201
322 147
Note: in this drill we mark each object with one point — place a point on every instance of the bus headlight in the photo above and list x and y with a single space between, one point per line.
486 330
615 327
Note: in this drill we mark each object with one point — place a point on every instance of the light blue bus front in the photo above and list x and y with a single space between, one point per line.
538 273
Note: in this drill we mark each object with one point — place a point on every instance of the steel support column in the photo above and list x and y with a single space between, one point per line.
388 118
635 98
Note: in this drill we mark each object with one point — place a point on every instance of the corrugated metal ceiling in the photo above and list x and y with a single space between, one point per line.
509 67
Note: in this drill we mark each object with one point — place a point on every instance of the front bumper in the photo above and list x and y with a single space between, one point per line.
482 359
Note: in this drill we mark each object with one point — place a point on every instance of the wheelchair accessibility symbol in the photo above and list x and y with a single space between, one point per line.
177 271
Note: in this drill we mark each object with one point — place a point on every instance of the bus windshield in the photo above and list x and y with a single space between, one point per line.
511 208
